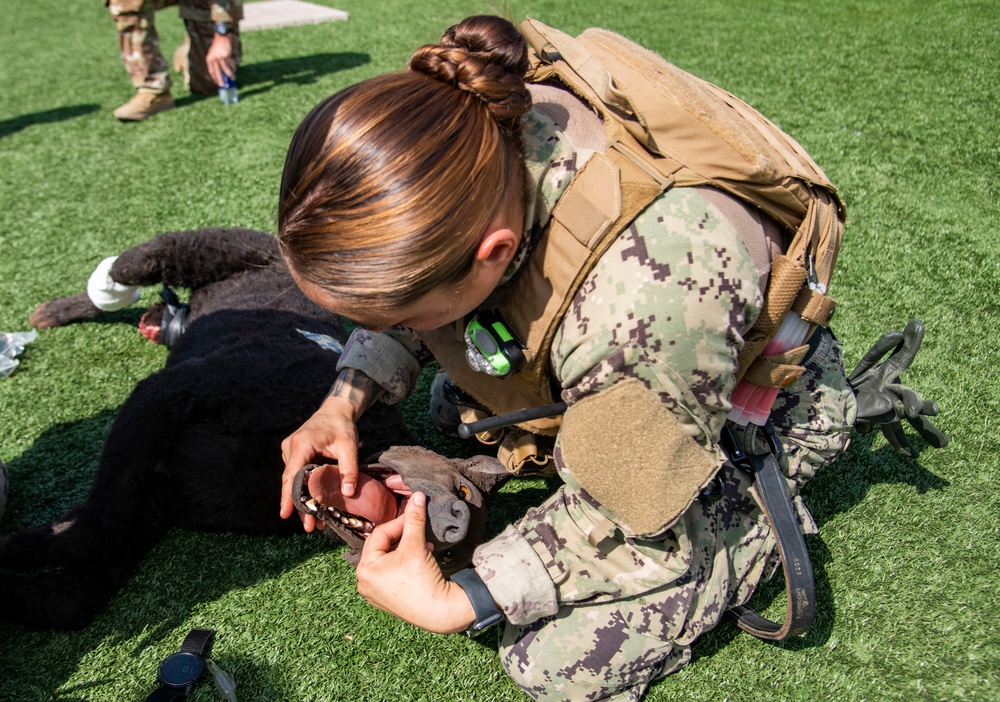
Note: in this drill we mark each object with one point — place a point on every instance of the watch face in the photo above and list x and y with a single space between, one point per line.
181 669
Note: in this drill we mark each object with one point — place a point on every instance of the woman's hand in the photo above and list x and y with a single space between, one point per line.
398 574
331 432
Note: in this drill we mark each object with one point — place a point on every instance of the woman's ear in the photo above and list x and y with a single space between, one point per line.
498 247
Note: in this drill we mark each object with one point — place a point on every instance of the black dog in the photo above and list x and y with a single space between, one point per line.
197 444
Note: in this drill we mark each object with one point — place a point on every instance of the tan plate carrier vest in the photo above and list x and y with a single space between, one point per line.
665 128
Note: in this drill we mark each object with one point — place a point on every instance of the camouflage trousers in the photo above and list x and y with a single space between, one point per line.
139 44
613 634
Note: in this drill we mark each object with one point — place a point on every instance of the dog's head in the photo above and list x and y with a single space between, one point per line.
457 491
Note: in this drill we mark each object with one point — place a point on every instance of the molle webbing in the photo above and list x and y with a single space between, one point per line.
680 130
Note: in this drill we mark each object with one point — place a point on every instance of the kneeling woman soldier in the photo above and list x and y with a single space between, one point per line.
413 201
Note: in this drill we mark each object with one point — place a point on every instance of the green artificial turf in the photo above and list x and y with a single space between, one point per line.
896 99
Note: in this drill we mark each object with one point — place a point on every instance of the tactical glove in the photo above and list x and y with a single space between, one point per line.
883 402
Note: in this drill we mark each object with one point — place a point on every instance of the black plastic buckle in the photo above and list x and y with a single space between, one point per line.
750 462
715 489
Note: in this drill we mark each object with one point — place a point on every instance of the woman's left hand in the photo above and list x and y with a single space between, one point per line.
398 574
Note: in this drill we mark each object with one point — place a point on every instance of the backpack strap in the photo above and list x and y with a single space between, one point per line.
558 55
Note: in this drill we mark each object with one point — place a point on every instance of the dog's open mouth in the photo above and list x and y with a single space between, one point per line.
380 496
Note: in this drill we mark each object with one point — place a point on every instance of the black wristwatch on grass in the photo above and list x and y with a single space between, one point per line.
488 614
180 672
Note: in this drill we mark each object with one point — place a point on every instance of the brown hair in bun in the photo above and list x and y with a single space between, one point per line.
390 184
485 56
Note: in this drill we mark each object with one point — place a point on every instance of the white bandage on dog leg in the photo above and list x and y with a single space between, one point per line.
105 293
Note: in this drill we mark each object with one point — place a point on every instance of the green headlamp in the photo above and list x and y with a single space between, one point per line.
491 347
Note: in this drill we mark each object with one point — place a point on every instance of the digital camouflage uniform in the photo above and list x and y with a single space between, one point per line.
139 43
666 304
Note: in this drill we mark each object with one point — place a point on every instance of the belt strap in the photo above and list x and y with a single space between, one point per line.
800 587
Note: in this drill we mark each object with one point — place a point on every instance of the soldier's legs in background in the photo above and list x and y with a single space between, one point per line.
201 35
139 44
586 652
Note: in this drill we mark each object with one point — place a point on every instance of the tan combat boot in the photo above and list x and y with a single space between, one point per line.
144 105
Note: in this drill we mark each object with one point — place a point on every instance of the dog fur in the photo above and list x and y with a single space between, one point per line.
197 445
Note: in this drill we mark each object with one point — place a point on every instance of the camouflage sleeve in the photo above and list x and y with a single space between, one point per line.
667 305
516 577
386 358
227 11
214 11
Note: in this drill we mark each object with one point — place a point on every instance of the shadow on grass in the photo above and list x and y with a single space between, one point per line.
256 78
58 114
836 489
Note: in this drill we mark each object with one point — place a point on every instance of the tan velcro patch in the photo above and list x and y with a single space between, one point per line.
634 457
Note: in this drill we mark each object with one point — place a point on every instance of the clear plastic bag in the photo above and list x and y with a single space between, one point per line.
11 345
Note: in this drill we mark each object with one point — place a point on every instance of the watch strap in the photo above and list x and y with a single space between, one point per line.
487 613
197 641
166 694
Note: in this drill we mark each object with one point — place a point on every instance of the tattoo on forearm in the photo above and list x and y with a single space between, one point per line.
357 388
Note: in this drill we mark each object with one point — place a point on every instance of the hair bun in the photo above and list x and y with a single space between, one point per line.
485 56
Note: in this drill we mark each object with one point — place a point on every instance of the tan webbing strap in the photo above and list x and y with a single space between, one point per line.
596 229
787 280
553 45
779 370
819 236
831 234
814 307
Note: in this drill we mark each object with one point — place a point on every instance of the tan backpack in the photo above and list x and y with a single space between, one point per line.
666 128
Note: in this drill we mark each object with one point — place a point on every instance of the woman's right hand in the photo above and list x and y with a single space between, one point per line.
331 432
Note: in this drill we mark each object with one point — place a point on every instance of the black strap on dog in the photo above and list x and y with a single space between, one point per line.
758 457
176 315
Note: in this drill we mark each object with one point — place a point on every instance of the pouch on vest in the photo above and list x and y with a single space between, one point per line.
633 456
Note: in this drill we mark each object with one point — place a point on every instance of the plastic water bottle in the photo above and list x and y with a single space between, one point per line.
227 91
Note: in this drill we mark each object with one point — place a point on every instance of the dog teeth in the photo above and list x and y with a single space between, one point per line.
333 511
345 520
367 528
312 505
355 523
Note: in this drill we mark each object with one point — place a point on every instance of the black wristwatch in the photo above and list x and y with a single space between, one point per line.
180 672
222 28
488 614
